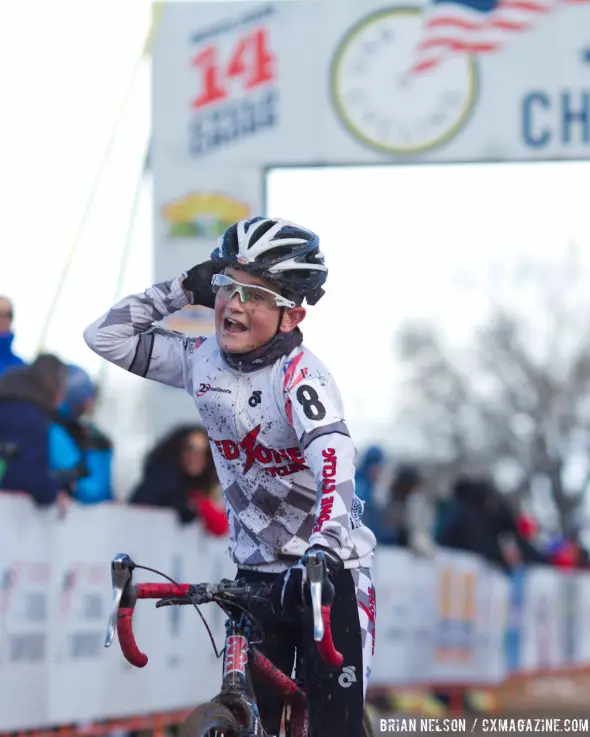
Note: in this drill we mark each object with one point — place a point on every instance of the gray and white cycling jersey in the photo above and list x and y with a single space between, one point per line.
282 450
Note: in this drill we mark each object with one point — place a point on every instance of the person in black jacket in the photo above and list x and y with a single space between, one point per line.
479 520
179 474
505 522
29 397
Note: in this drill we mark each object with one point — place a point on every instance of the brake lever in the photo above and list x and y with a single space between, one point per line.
316 572
121 568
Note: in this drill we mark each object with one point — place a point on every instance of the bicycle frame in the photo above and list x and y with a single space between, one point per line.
235 693
240 656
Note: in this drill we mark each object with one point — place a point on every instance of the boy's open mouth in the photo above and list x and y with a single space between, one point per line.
233 326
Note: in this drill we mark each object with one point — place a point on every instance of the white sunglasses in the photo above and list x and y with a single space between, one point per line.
227 287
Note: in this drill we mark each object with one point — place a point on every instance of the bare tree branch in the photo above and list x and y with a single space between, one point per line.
520 396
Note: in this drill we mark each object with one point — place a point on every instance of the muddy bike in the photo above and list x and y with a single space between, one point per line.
233 712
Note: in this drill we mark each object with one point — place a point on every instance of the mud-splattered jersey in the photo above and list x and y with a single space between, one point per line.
282 450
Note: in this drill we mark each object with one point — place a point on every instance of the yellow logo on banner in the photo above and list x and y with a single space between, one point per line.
203 215
193 320
457 614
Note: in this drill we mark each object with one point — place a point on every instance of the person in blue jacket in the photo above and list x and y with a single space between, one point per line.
80 454
369 468
8 359
29 397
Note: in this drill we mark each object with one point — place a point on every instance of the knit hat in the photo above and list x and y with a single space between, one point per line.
79 387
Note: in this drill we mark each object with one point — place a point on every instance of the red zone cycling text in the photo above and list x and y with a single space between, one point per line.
264 456
328 488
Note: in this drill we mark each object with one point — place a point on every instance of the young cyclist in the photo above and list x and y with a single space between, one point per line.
282 449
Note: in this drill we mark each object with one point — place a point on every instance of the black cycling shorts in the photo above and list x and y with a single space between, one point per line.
335 696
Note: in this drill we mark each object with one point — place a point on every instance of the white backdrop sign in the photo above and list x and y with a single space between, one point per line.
240 87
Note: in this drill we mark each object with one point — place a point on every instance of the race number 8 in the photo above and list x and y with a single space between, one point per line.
309 400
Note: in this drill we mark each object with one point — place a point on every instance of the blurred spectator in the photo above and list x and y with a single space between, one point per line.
179 474
470 526
29 397
479 521
510 526
7 358
527 527
78 450
8 451
564 554
410 512
443 512
368 470
567 554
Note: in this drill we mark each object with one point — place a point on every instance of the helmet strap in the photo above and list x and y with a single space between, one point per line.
281 313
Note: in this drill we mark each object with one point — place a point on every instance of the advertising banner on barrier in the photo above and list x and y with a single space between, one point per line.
80 583
25 612
493 628
458 586
583 617
439 621
446 620
148 538
394 586
542 642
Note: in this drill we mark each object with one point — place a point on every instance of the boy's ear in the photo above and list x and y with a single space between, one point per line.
292 318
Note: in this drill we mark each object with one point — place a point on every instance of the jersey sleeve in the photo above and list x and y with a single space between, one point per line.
126 336
314 409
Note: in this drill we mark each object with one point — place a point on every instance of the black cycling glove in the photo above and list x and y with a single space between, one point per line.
291 589
198 282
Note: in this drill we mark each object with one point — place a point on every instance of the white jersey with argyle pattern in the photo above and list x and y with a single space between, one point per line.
282 450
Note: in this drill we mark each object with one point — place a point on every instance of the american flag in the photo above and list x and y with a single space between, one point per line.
475 26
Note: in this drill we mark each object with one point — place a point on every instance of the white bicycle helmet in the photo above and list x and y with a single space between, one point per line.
277 250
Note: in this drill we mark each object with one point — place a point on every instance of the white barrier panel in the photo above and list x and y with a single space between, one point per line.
440 621
54 602
451 620
25 613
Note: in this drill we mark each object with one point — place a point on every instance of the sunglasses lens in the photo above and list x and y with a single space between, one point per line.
227 287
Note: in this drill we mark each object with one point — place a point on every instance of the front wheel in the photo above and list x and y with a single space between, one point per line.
210 720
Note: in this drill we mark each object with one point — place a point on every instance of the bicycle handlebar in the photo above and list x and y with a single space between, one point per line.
126 594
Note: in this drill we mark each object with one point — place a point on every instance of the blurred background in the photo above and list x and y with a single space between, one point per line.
444 158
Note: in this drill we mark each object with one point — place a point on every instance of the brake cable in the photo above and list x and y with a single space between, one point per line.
184 593
218 653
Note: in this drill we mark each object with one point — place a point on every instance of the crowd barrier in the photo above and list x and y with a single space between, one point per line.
451 620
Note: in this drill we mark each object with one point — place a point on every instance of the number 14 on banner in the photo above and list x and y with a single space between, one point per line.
251 61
